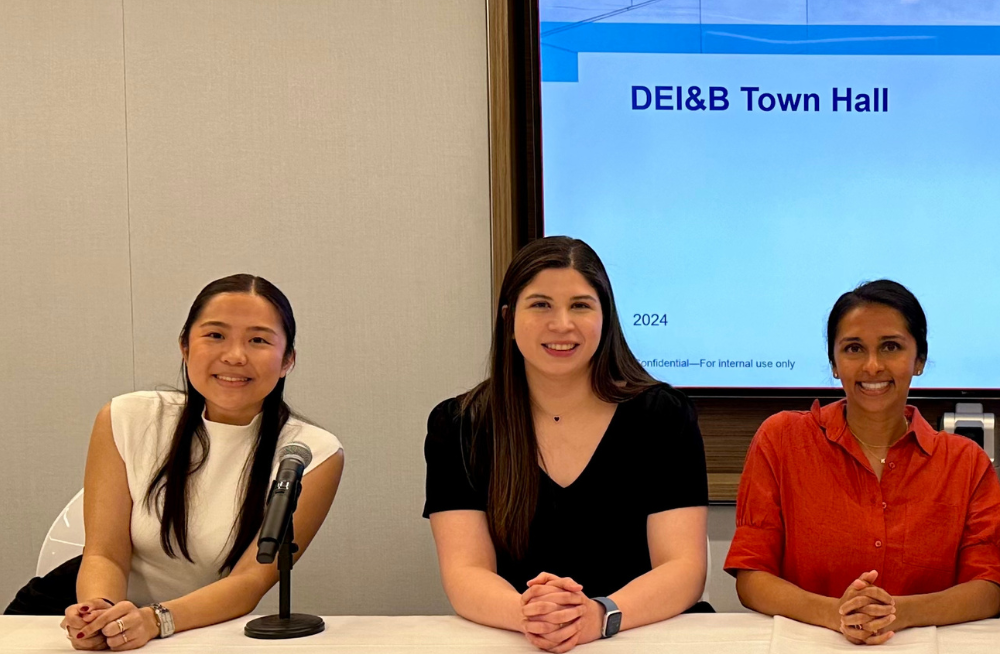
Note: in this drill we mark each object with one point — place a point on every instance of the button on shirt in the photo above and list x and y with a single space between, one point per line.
811 510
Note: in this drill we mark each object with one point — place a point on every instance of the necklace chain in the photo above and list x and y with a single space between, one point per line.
871 448
881 459
555 417
869 445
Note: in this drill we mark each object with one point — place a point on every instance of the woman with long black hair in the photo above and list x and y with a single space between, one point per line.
176 483
567 493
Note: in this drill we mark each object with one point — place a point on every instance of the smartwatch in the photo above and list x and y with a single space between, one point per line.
164 619
612 617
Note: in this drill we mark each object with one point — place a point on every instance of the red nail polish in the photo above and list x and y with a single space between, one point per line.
80 635
84 609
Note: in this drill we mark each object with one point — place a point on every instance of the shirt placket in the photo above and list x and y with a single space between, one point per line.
892 505
875 518
880 528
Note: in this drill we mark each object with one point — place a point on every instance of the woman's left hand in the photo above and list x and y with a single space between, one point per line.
558 616
125 626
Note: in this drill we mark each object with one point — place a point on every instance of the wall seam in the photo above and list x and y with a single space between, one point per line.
128 200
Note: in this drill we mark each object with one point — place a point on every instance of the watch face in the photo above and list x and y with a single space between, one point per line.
614 623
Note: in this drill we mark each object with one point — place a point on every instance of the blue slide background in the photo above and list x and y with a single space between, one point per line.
744 227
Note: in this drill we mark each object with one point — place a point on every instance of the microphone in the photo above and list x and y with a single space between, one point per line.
293 460
276 536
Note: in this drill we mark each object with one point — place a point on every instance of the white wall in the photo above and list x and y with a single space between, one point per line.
64 258
338 149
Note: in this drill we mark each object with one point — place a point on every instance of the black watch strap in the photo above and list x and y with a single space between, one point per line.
612 622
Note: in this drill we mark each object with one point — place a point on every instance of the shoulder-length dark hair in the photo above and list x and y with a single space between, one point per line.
500 407
171 479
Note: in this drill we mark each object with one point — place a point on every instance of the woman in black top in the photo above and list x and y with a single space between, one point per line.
569 464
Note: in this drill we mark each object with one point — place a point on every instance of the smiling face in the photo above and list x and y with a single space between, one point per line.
558 322
235 355
875 358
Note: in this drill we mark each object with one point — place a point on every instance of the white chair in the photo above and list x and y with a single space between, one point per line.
65 538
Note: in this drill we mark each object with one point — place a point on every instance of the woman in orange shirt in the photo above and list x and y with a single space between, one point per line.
860 516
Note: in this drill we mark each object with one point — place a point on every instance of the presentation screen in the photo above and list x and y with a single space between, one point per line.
740 165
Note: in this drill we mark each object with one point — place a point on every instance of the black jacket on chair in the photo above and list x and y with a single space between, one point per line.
48 595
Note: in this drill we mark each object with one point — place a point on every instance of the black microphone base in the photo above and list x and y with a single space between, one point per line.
274 627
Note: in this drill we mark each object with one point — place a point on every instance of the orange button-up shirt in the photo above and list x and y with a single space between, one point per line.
811 510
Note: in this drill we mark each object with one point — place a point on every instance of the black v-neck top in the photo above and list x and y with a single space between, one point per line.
651 459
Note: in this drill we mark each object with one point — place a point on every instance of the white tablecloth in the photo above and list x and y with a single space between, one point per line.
791 637
724 633
981 637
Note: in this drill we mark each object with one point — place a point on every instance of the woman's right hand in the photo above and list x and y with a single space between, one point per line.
79 616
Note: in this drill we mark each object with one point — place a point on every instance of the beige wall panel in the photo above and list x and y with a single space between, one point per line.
340 150
63 256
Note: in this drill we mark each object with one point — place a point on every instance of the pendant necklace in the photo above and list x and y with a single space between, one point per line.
871 448
555 418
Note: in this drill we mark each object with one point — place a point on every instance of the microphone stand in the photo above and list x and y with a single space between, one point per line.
286 624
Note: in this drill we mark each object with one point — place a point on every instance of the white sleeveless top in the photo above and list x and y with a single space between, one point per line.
143 425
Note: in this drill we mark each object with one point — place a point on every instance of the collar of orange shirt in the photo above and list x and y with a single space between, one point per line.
832 421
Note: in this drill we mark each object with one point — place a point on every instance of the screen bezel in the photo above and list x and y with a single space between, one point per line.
528 186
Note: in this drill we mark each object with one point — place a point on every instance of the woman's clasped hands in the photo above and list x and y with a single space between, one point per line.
96 625
557 616
866 611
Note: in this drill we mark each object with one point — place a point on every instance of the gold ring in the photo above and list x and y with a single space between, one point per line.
124 637
121 626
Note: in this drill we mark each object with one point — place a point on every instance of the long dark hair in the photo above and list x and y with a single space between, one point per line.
500 407
170 480
887 293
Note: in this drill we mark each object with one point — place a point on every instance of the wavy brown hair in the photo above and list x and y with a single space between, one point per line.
500 407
